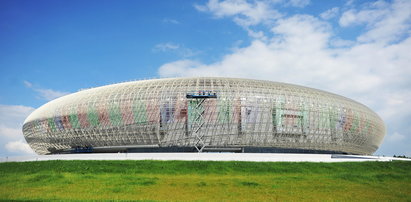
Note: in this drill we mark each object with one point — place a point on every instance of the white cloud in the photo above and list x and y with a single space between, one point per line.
298 3
177 68
304 50
385 22
8 132
330 13
180 50
46 94
171 21
369 15
166 46
11 123
19 147
225 8
341 43
244 13
12 114
27 84
49 94
396 137
302 45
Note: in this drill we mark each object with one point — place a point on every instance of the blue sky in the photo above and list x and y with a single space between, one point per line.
359 49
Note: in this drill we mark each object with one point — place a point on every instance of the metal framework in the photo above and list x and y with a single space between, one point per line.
204 113
198 110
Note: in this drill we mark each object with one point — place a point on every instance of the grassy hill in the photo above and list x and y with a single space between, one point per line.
204 181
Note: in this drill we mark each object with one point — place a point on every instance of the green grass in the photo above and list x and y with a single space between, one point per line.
204 181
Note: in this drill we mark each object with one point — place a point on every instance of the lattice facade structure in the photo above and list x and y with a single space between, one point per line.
245 113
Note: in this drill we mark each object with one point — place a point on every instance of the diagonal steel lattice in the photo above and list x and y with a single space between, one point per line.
246 113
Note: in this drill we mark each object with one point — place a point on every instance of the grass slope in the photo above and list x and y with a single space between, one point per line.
203 181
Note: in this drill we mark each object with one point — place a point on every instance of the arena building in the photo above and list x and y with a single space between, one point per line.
204 115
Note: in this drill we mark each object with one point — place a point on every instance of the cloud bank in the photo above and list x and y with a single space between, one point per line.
11 136
45 94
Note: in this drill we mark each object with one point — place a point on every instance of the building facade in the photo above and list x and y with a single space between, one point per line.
203 114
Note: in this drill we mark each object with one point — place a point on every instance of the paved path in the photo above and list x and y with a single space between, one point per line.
262 157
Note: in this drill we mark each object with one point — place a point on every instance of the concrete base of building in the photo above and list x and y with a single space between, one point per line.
256 157
177 149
